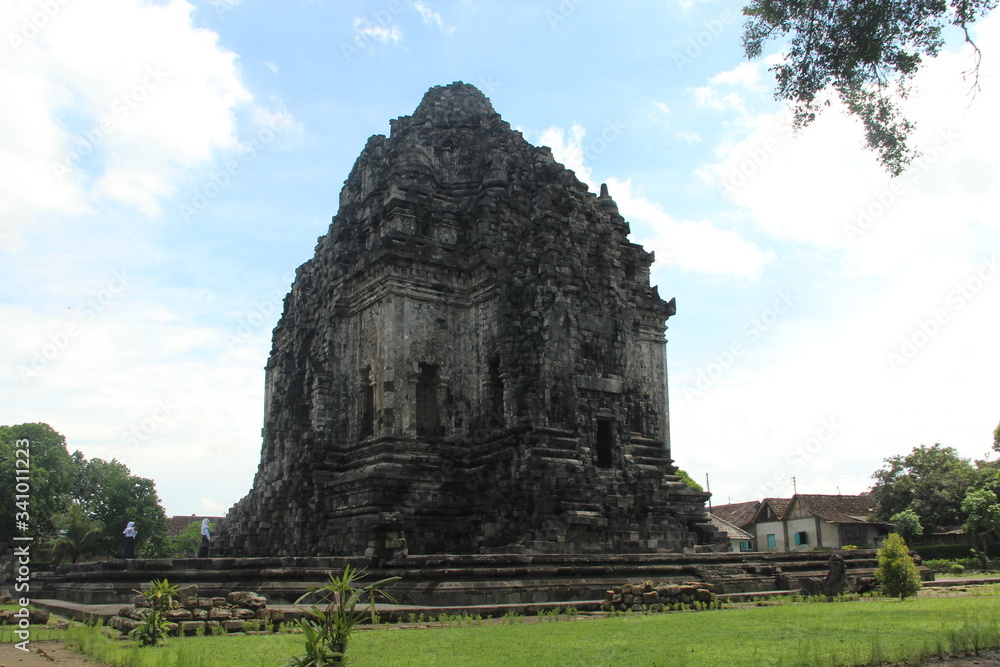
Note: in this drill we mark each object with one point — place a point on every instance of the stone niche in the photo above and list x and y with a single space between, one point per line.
475 351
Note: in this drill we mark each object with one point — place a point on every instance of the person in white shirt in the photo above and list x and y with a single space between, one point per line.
206 539
130 532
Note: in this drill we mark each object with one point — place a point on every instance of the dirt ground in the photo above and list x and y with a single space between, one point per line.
44 654
988 659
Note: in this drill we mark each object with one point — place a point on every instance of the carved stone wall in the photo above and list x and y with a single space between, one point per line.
474 346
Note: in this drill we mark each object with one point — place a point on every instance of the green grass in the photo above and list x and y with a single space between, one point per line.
850 633
791 634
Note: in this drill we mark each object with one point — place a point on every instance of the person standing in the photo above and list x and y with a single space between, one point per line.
206 539
130 532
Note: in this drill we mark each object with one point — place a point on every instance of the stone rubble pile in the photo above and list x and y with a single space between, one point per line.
192 614
648 596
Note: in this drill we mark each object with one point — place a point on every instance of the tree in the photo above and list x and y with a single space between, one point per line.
867 51
996 439
907 524
77 535
50 474
110 493
931 481
896 571
186 543
687 479
982 516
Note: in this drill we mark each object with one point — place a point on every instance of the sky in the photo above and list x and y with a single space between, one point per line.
165 167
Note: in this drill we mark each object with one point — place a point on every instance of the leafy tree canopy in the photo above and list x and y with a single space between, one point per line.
931 481
51 472
907 524
982 515
106 492
186 543
76 535
866 50
113 495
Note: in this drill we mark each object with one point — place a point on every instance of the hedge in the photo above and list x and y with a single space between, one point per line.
932 551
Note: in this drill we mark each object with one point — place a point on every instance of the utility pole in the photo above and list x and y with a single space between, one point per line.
795 488
708 487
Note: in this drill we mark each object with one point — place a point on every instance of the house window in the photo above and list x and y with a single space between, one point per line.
746 545
605 444
771 542
801 537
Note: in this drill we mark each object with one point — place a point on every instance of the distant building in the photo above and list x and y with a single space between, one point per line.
739 539
812 521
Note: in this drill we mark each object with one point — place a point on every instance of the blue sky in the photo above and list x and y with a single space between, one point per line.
164 167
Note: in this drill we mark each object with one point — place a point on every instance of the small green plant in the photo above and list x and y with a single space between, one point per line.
849 547
896 571
153 627
957 569
328 630
510 618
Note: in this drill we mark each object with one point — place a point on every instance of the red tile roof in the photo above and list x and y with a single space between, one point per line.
838 509
734 532
739 514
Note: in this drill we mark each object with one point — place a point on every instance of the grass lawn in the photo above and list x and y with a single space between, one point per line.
842 633
849 633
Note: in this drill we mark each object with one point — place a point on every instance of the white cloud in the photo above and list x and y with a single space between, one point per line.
365 31
745 74
568 150
689 245
881 339
432 17
93 128
816 186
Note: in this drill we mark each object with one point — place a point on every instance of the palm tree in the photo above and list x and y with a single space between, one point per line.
77 535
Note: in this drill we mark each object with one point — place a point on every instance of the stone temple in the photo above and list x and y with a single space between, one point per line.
473 361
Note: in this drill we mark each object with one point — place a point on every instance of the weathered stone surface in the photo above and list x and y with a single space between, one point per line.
472 362
192 627
188 596
659 597
220 614
233 626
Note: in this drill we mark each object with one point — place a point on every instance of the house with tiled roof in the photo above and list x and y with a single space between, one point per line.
739 539
740 515
814 521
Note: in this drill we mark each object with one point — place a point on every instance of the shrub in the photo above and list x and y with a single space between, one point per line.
957 569
153 626
896 571
327 631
